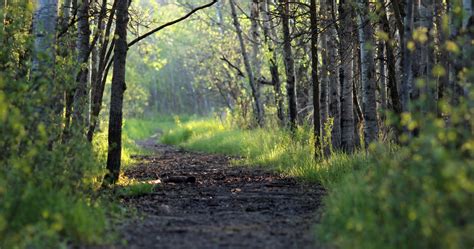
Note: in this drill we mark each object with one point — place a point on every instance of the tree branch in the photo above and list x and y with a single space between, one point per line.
239 72
171 23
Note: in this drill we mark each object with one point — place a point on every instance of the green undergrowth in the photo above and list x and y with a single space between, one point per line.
416 196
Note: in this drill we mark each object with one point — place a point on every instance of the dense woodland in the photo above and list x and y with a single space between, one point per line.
379 92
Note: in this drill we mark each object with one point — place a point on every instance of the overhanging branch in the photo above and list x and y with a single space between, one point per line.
171 23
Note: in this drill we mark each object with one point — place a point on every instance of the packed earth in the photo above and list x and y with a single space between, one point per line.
202 201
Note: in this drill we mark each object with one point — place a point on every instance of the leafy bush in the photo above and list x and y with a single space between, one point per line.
418 196
46 183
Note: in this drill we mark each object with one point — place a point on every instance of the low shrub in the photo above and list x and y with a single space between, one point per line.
418 196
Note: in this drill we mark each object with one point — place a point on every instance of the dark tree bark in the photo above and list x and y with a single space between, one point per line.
332 69
289 63
392 84
315 79
116 97
346 76
407 74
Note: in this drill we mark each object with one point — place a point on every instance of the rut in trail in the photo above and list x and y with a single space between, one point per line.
218 205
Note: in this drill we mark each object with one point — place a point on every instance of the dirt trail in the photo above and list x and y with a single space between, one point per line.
208 203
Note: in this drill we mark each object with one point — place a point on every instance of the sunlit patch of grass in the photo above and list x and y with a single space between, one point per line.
143 128
127 187
275 148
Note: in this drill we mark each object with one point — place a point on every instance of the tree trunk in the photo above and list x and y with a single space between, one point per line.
369 105
116 97
382 83
334 85
302 61
324 96
248 68
289 63
346 76
315 79
392 84
443 54
270 36
44 32
81 102
43 61
105 51
407 74
255 57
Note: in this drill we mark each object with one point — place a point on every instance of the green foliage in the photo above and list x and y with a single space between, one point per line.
416 196
421 196
43 193
46 183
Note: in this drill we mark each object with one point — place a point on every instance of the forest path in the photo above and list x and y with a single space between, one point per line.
204 202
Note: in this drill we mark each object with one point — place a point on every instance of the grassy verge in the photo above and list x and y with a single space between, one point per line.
418 196
264 147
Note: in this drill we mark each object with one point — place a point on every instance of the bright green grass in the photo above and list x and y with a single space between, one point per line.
138 129
135 129
270 148
135 188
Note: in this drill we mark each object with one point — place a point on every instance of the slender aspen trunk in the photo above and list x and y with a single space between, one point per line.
392 83
43 60
346 76
81 92
302 68
116 98
269 33
289 63
105 51
442 33
324 96
248 68
44 32
382 83
255 56
407 73
332 71
366 41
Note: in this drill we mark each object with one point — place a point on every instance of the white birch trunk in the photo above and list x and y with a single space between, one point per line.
369 105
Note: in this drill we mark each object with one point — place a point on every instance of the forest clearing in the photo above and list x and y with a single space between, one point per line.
236 124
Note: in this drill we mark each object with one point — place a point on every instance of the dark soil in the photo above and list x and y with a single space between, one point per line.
204 202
